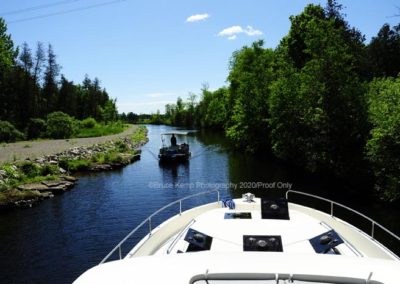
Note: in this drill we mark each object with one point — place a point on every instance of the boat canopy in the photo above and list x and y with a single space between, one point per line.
182 133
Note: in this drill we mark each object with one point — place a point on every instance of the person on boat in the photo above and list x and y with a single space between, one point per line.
173 140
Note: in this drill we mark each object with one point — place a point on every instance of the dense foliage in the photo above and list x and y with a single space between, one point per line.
317 105
36 128
316 100
59 125
213 108
383 147
383 52
8 133
250 79
31 88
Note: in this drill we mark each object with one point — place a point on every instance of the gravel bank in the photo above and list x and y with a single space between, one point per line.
33 149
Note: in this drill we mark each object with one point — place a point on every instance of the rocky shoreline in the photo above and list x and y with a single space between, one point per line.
92 158
43 190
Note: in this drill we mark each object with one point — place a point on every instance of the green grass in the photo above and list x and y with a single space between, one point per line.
37 179
27 169
101 130
98 158
121 147
140 135
26 172
16 195
75 165
113 157
110 157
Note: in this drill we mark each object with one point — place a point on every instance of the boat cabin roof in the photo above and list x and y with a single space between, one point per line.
181 133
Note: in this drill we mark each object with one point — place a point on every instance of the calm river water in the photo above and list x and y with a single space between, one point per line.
62 237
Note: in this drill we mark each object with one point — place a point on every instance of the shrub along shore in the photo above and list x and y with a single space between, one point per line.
25 183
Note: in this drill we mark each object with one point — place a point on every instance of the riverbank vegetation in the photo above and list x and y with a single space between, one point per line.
30 179
59 125
323 99
33 94
120 152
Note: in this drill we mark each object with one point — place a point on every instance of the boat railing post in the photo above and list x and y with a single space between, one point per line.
180 207
331 209
373 230
218 195
120 252
149 226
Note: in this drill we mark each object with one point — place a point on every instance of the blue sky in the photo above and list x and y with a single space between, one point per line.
147 53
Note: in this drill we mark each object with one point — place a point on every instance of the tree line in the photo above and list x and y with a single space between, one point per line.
323 99
31 87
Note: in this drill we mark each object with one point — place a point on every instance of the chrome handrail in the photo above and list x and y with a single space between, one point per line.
148 220
280 276
373 222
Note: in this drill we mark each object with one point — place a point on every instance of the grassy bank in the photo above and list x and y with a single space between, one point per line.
100 129
14 175
113 154
59 125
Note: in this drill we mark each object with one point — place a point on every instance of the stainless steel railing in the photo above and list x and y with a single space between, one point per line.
148 221
290 278
333 203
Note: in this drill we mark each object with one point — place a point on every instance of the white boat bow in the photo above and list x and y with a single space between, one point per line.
273 241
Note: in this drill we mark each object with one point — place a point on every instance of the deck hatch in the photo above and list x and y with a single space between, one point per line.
237 215
197 241
262 243
274 209
326 242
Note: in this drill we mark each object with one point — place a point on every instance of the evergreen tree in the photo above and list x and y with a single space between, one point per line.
68 97
384 52
132 117
7 51
39 61
50 86
7 58
26 90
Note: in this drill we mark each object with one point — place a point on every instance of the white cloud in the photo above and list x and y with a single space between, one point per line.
232 32
250 31
197 18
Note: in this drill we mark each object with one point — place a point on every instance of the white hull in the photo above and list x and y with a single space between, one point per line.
163 255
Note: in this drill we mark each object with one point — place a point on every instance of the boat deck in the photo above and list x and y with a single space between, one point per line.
166 255
228 234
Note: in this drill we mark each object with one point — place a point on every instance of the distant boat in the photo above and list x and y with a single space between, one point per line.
251 240
173 153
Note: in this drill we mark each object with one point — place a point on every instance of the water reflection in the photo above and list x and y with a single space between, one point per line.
62 237
175 174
